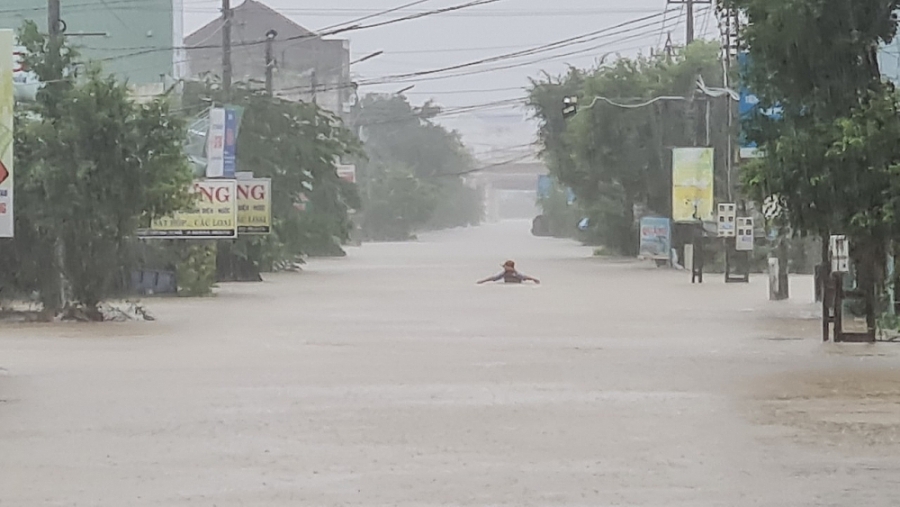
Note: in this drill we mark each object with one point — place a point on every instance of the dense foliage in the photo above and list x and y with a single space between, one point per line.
91 164
618 159
297 145
411 175
832 155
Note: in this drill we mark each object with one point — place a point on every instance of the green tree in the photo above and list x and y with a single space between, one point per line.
411 174
297 145
614 156
91 165
831 153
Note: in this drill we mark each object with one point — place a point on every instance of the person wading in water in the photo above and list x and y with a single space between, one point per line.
510 275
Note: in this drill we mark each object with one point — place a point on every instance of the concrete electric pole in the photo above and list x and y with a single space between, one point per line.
226 48
689 5
270 61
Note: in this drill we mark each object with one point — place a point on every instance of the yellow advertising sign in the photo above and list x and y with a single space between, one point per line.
693 184
214 214
254 201
6 134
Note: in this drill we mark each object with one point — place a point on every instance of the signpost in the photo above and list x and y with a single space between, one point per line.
744 239
7 222
214 215
726 220
254 201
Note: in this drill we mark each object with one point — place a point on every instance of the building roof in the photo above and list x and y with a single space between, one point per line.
254 14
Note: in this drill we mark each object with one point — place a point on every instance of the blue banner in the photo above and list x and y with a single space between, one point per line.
656 238
544 186
748 105
230 146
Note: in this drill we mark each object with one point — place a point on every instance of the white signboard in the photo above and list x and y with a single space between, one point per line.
347 172
744 241
215 144
726 220
7 223
839 247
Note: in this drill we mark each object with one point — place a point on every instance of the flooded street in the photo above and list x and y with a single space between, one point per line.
390 378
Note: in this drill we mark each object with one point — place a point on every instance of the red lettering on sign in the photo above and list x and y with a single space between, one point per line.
223 194
256 192
213 194
19 61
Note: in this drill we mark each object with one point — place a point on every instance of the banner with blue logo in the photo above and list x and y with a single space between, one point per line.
748 105
229 162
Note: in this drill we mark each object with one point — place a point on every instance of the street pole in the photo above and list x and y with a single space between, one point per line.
226 48
270 61
314 85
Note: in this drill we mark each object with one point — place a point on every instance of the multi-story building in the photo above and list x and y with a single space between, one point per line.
138 40
307 67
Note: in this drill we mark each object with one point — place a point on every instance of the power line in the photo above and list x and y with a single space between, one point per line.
352 28
581 39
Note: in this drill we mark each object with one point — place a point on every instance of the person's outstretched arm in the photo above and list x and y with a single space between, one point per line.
496 278
531 279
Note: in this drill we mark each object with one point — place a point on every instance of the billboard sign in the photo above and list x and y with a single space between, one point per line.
7 223
254 202
215 144
213 216
656 238
693 184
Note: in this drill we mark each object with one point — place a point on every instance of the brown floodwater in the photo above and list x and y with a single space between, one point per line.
390 378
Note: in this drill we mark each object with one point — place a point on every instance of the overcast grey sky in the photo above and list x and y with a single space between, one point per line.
476 33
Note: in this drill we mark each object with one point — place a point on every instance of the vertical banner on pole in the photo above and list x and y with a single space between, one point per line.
215 144
229 148
6 134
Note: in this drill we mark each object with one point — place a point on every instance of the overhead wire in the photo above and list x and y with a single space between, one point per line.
571 41
351 28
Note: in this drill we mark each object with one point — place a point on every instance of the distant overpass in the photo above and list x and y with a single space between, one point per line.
510 189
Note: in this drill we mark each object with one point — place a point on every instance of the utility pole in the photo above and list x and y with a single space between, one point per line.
226 48
689 37
689 5
55 31
270 61
53 18
314 85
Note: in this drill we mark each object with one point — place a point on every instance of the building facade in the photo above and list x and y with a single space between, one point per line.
138 40
307 67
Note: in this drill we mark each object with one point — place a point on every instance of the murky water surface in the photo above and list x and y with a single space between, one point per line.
389 378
